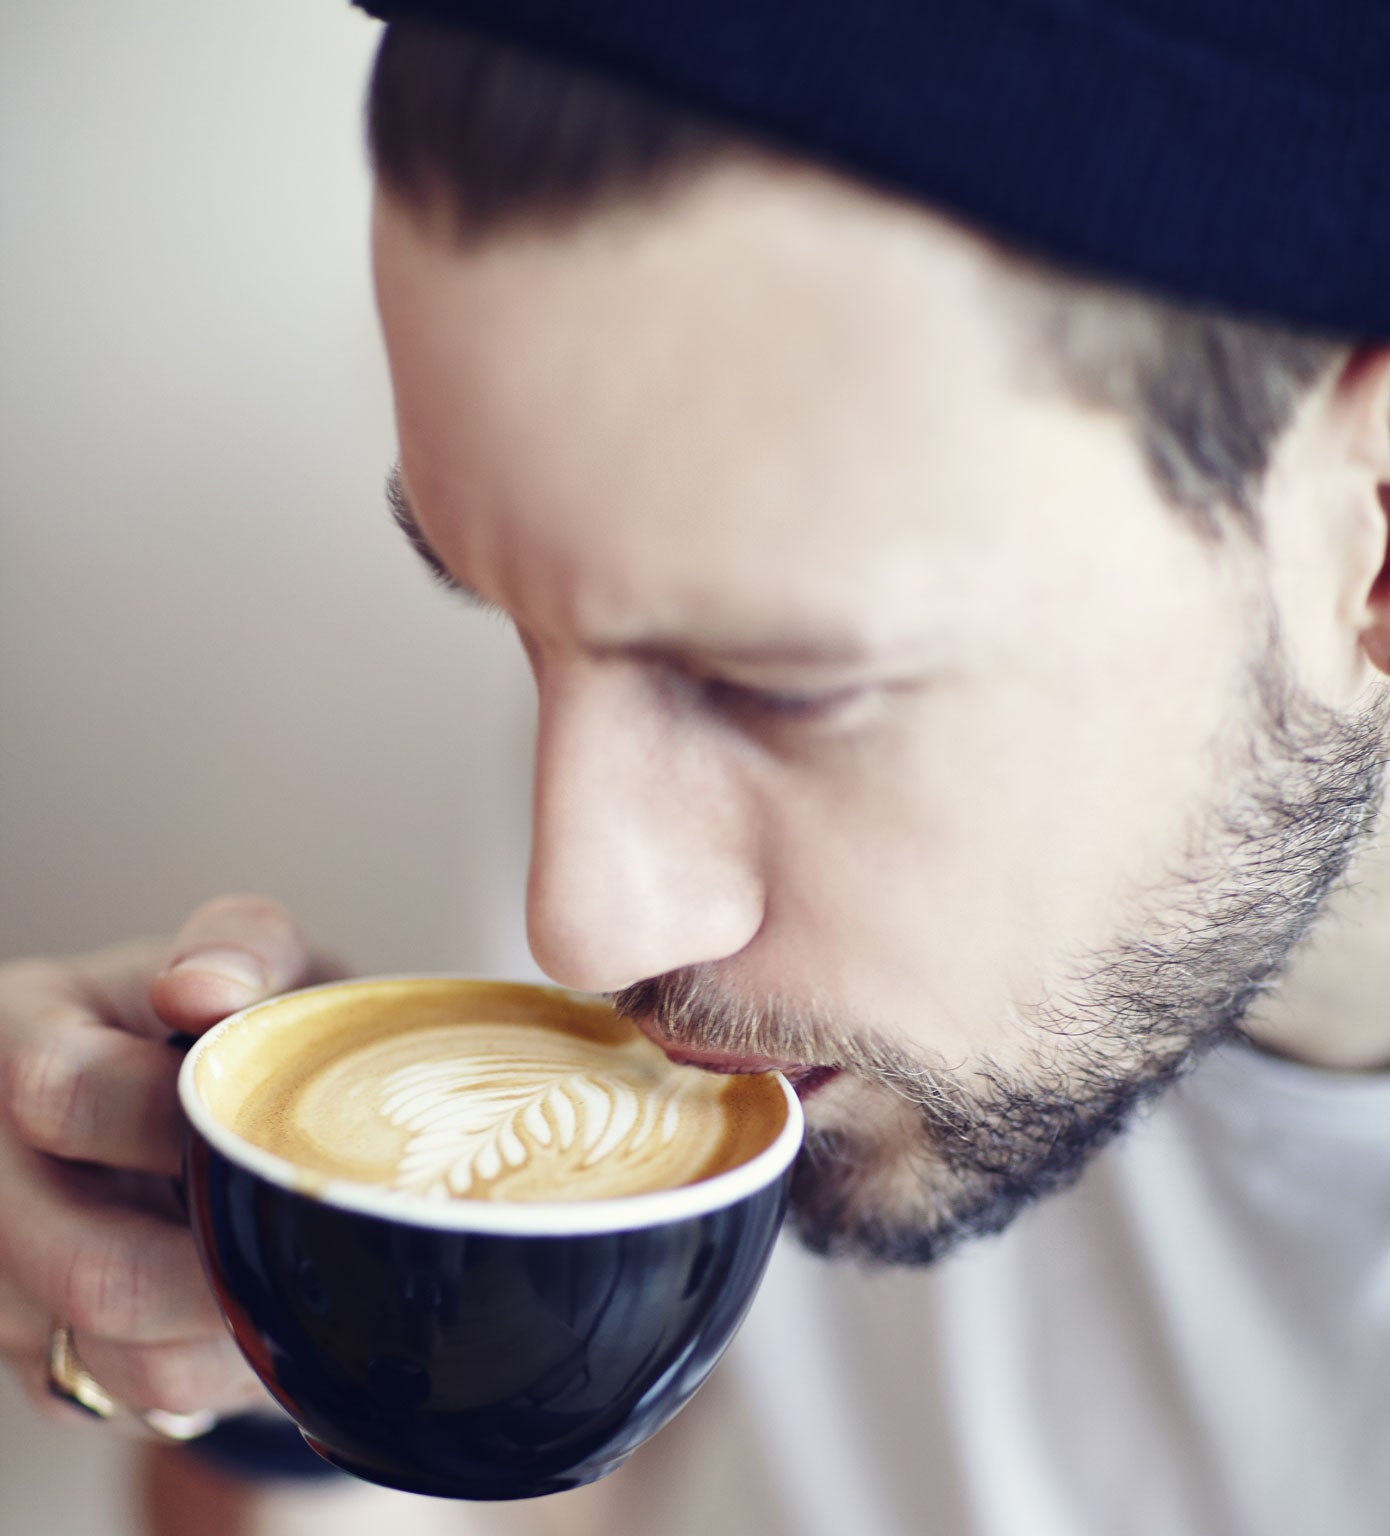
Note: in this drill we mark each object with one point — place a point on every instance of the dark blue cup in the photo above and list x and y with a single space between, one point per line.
470 1348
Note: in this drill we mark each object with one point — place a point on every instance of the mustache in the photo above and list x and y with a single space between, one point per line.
694 1007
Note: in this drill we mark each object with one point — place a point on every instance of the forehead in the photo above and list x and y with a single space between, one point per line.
772 372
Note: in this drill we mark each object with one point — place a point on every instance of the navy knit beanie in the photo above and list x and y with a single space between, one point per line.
1232 152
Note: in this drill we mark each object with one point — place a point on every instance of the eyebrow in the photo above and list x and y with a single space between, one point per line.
811 651
403 515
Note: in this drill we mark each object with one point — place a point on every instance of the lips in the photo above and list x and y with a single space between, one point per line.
805 1080
804 1077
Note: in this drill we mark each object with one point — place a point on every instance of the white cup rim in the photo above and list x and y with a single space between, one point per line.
499 1217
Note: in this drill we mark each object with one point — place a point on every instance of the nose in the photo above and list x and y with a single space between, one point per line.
641 859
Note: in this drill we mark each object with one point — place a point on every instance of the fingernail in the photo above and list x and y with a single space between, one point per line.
229 964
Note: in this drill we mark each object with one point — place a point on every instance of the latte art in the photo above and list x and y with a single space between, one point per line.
506 1111
484 1100
473 1121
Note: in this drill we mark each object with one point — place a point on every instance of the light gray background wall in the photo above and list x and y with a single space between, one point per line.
220 667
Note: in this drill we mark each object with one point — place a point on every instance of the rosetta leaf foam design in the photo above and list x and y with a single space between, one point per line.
472 1120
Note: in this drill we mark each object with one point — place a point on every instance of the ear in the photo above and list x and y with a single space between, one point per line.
1360 408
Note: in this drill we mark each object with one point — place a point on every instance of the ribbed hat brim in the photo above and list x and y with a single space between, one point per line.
1069 128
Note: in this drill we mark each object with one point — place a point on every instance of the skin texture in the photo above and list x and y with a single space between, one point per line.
886 711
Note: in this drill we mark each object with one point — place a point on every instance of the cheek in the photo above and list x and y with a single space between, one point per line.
970 857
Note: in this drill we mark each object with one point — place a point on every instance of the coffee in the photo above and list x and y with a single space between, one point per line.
428 1275
479 1090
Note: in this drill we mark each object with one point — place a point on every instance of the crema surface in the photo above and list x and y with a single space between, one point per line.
471 1090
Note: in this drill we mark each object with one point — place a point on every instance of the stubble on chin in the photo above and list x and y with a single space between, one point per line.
864 1174
900 1167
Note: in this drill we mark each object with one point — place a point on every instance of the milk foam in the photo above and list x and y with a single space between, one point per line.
459 1090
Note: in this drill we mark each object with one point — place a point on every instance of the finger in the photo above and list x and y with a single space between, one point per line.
185 1376
175 1378
114 984
25 1335
231 953
110 986
76 1089
116 1273
24 1325
32 1371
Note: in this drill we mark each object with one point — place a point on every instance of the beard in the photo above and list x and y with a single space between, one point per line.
905 1158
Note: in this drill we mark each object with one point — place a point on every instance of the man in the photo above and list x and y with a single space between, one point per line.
957 683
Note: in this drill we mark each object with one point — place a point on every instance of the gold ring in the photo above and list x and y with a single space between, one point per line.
70 1381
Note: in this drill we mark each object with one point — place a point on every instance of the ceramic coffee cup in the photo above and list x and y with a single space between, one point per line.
487 1324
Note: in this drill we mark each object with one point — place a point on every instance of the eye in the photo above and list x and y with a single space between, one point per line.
738 699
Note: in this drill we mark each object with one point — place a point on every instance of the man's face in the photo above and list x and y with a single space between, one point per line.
889 721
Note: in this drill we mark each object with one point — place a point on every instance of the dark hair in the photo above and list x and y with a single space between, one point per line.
496 137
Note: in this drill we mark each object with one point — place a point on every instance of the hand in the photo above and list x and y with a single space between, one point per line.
90 1140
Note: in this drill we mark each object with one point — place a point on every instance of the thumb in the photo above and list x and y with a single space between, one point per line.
233 952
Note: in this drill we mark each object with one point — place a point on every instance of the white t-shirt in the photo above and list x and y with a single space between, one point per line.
1194 1341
